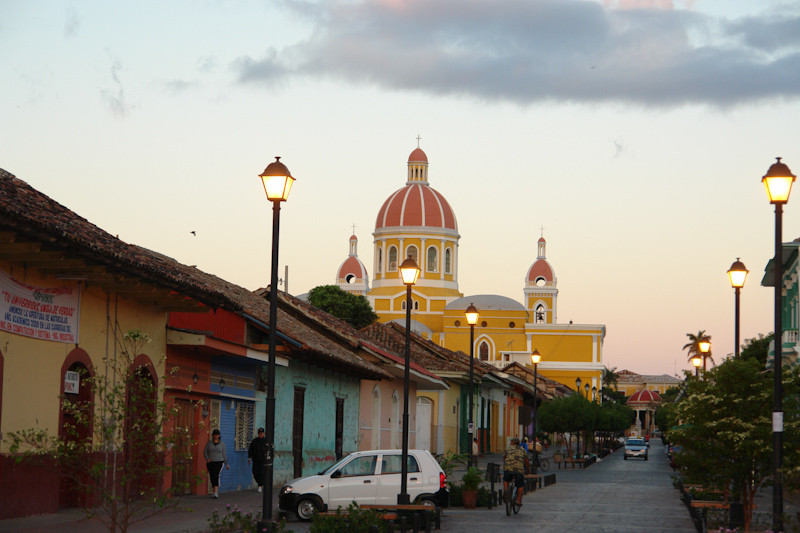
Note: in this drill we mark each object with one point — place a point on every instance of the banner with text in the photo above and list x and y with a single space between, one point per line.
42 313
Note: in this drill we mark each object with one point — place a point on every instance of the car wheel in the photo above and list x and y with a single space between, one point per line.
305 509
426 501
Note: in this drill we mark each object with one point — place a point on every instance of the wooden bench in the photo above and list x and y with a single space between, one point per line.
383 516
568 461
427 512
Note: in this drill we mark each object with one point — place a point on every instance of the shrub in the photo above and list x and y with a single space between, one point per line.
353 520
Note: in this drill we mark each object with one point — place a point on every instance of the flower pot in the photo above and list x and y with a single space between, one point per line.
469 498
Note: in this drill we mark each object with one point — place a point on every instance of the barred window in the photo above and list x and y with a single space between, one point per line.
245 416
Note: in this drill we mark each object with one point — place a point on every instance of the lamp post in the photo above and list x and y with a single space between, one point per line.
578 442
277 182
472 319
737 274
778 182
535 358
697 361
594 393
409 270
705 347
586 390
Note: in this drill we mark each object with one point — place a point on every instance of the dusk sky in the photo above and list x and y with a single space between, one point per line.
636 132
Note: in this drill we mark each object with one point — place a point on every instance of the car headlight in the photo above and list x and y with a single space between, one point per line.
286 490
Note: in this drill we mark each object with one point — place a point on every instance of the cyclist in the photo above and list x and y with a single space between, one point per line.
515 465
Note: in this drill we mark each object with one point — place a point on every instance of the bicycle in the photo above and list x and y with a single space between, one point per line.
511 498
541 463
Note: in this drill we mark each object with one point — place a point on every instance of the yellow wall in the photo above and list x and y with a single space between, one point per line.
32 368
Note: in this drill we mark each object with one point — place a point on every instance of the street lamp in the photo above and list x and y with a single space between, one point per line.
586 389
578 390
737 274
705 346
697 361
472 319
409 270
594 393
535 358
277 182
778 182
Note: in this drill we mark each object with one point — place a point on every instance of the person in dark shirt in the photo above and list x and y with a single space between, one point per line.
257 454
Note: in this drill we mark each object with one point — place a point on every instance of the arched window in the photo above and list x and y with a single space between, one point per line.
433 259
540 314
411 252
483 351
448 265
392 266
403 305
380 260
416 305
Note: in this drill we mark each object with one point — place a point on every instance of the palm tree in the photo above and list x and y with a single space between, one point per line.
694 347
610 377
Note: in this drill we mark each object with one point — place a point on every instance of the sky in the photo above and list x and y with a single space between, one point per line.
635 132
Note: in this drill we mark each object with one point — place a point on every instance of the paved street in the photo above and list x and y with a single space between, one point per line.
610 496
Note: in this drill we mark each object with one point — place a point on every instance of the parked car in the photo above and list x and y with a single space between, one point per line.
366 477
636 448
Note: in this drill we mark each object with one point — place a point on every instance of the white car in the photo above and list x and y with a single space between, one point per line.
366 477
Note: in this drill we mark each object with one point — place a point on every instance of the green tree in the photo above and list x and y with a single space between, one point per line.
726 429
570 414
693 346
120 466
757 348
352 308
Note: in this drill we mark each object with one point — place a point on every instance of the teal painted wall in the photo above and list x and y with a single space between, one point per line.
322 387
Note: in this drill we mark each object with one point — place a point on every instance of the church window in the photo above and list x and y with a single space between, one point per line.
392 267
403 305
416 306
433 259
448 269
412 254
483 351
541 282
540 314
380 260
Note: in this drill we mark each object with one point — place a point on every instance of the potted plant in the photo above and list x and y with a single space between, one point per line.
470 482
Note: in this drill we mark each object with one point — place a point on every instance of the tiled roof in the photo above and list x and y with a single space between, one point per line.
626 376
28 215
427 354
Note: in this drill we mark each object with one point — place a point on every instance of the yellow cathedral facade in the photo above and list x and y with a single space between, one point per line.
417 221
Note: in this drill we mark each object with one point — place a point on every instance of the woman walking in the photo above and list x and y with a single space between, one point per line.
215 455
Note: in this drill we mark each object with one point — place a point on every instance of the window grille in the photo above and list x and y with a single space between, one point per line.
245 416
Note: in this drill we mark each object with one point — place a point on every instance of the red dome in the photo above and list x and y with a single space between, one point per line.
540 269
418 156
352 266
416 205
644 397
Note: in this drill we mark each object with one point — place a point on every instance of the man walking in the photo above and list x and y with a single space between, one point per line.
257 453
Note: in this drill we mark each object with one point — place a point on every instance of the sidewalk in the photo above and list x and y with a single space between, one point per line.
191 515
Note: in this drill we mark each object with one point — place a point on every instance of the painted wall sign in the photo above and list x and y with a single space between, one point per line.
51 313
72 382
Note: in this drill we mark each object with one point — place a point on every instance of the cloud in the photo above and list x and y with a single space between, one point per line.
71 23
642 51
115 98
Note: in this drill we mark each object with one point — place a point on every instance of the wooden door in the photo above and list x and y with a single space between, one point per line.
297 431
339 436
182 452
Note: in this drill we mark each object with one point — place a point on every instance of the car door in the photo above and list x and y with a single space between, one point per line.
354 481
389 478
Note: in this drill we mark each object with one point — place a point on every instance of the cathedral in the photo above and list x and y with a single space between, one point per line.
417 221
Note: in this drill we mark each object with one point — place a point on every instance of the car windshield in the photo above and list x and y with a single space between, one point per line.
335 466
635 442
